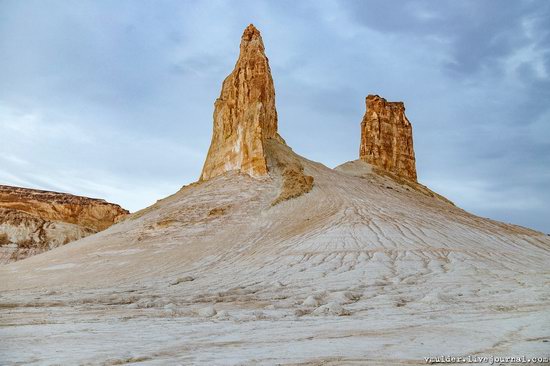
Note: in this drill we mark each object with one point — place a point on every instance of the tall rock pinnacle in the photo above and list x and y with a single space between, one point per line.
386 137
244 114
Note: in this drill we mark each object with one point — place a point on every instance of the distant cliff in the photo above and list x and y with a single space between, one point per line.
33 221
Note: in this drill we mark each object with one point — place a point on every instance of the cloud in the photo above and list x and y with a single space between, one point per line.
478 34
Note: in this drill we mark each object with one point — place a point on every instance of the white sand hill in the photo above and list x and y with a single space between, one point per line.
360 270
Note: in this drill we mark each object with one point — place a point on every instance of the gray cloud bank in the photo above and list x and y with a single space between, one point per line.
115 99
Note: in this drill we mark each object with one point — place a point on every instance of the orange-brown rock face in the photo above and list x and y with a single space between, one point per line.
244 114
32 221
386 138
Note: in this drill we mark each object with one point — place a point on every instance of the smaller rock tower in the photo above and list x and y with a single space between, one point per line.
386 138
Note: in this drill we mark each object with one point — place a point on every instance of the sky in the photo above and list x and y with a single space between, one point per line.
114 99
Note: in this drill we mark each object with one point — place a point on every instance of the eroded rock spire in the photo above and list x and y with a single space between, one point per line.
386 138
244 114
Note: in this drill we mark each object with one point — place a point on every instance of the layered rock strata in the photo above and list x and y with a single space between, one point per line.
33 221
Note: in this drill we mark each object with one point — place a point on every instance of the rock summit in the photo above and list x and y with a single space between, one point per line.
244 114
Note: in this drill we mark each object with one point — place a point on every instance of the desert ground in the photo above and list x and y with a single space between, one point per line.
361 270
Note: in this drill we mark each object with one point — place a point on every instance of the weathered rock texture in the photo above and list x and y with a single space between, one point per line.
33 221
386 138
244 114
